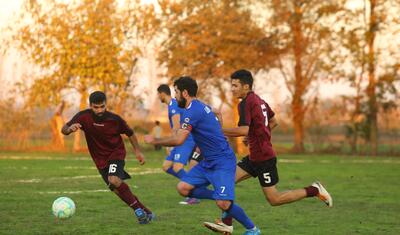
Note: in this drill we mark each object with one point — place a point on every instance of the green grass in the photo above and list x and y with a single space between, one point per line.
366 197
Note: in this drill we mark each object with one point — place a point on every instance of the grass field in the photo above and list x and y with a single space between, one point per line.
365 190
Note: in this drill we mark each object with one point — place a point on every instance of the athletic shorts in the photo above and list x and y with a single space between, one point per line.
221 176
266 171
182 153
114 168
196 156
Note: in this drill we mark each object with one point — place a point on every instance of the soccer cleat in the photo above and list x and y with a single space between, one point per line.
142 216
190 201
151 216
323 194
253 231
219 227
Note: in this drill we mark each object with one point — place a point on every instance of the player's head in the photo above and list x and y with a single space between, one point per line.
157 123
241 83
97 101
185 87
163 93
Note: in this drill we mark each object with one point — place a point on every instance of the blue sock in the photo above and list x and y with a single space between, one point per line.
172 172
238 213
181 173
202 193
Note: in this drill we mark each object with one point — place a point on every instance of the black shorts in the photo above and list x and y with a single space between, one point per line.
266 171
198 157
114 168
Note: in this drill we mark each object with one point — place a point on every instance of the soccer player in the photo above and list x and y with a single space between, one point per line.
256 119
179 156
219 164
103 131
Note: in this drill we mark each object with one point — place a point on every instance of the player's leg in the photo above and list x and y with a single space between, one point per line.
244 170
168 163
268 178
194 159
194 184
223 182
115 176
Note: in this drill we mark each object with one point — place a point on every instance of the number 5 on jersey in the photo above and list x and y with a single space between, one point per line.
264 111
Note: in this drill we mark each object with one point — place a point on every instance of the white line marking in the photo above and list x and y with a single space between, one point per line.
35 180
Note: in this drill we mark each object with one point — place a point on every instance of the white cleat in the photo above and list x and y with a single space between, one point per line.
323 194
219 227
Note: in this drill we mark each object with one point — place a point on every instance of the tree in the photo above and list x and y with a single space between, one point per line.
209 40
303 29
81 46
366 65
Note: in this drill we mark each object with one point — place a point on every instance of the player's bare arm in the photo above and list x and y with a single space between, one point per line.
176 124
272 123
66 130
136 149
236 131
175 139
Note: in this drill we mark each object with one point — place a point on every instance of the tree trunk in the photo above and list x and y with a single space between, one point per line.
297 102
371 89
77 136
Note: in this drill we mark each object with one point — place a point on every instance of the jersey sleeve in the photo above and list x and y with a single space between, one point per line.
244 113
76 119
124 128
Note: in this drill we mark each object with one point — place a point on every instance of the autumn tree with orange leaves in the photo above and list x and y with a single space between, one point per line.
81 46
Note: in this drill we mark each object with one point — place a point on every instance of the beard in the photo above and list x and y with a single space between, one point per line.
182 103
98 117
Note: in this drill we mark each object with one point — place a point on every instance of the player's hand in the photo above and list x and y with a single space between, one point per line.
74 127
140 158
148 139
245 141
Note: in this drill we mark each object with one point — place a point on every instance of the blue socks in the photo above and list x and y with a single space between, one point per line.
180 174
202 193
172 172
238 213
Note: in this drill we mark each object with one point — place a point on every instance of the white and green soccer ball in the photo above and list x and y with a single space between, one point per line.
63 208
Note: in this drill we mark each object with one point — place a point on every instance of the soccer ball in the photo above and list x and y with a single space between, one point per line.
63 208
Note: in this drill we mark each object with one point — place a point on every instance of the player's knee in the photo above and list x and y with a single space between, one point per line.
165 168
223 204
114 181
177 167
182 189
273 200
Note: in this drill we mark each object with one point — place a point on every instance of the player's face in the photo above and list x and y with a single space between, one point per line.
98 109
179 98
161 97
237 89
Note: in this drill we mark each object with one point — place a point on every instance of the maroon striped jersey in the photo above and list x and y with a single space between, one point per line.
103 135
255 113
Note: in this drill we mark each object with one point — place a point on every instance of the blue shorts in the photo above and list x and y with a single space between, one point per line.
182 153
220 174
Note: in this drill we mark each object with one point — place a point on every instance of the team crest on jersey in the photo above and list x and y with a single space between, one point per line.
173 111
187 119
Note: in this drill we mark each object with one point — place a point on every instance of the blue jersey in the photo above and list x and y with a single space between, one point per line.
174 109
206 130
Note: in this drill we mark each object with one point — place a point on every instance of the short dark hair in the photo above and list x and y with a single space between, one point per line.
157 122
97 97
164 88
187 83
244 76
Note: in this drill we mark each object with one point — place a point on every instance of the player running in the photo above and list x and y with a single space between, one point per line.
103 131
219 164
179 156
255 122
